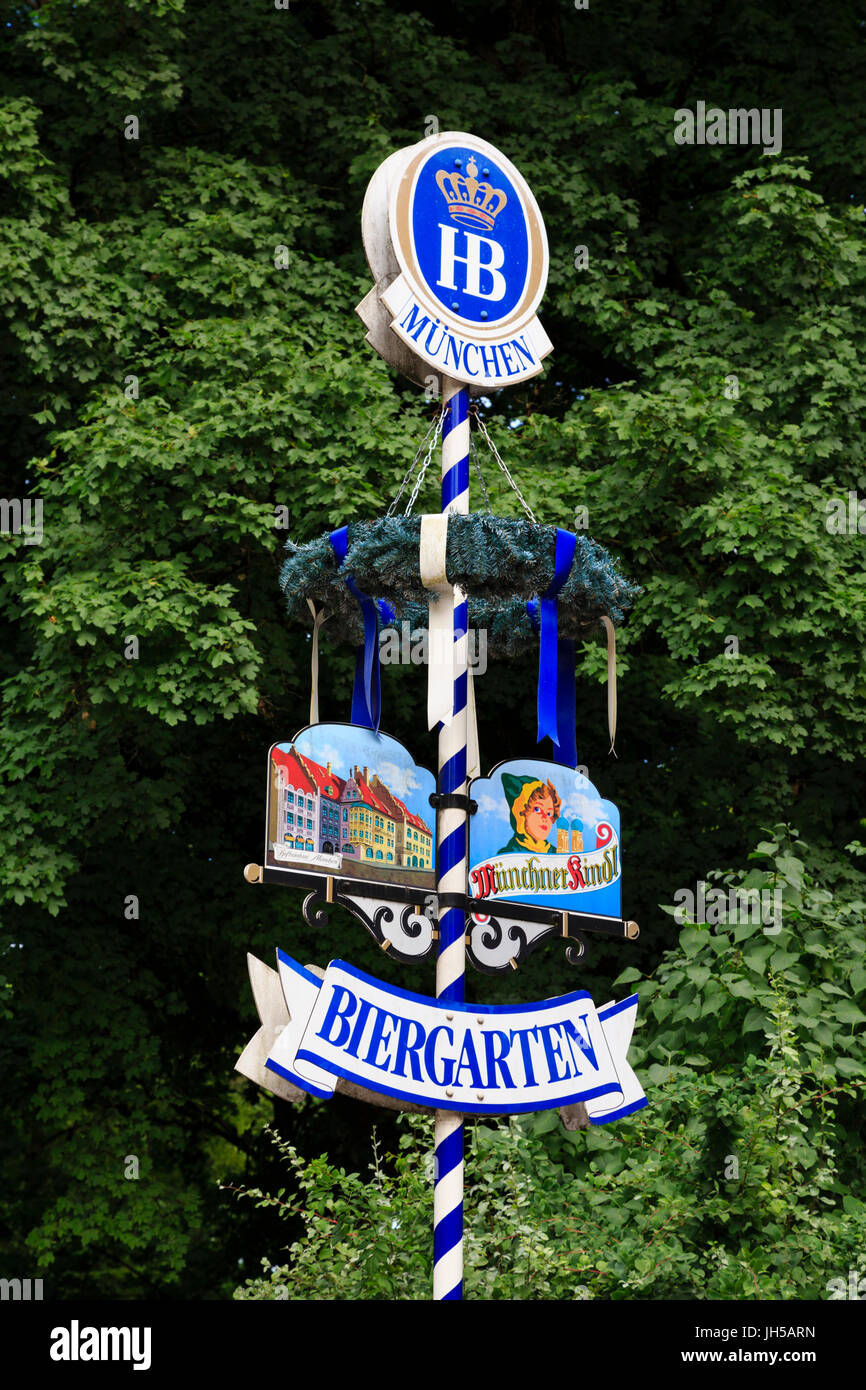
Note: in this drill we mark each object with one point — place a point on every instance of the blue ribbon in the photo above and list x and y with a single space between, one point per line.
366 694
566 702
556 692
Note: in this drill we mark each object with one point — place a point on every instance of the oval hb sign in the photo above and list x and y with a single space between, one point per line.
470 243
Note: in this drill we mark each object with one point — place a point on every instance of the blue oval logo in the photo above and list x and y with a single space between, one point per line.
470 236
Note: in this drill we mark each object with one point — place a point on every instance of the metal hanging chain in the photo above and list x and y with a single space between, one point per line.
502 464
412 466
477 457
438 425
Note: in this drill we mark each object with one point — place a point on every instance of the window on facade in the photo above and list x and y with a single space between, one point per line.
290 797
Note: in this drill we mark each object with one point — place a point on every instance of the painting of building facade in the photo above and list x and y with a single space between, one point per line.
336 813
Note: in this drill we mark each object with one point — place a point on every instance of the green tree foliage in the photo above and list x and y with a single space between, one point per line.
181 357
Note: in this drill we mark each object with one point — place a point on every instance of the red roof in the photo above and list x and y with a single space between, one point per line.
418 824
370 797
329 784
403 811
298 775
411 818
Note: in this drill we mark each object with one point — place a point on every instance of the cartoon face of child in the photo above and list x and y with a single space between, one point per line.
540 815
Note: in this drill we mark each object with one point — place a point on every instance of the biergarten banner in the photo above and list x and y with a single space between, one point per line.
473 1059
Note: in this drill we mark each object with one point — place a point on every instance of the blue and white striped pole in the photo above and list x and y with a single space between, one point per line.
452 862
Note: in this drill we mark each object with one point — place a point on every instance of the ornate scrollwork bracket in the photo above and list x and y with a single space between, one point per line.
495 943
404 930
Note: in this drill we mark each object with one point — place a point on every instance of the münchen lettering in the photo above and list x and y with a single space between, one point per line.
466 360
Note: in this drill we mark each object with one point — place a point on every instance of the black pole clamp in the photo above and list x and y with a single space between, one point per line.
459 800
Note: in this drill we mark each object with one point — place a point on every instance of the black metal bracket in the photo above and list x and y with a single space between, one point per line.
376 915
452 900
395 906
458 800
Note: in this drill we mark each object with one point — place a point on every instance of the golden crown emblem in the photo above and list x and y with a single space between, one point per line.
470 202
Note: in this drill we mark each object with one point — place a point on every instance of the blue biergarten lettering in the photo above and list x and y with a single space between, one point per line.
453 1054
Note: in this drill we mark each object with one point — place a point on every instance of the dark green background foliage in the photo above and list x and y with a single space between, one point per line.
155 258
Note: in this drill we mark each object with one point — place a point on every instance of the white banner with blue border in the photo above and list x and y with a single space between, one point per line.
474 1059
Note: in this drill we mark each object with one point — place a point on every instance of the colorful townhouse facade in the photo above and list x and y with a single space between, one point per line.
414 839
316 812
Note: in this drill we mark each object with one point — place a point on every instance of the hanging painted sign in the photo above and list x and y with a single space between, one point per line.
544 861
480 1060
543 835
349 818
469 241
342 798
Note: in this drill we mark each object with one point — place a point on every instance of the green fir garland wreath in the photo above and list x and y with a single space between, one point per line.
498 562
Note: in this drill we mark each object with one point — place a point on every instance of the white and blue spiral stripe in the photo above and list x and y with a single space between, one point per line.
452 869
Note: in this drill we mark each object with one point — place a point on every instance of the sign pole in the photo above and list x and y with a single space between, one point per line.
452 866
